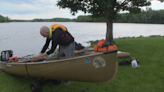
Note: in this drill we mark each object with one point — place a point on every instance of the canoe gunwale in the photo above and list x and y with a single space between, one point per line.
45 62
106 52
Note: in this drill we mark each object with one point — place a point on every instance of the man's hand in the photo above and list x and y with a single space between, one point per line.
39 56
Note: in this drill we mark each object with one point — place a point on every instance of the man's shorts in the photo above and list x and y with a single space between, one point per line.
66 51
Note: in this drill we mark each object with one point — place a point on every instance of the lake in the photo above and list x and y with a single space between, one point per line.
24 37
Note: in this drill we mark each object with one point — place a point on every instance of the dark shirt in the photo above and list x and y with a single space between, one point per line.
56 39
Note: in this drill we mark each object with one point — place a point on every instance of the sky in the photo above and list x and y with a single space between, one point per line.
45 9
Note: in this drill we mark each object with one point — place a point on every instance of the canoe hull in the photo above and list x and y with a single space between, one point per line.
14 69
98 68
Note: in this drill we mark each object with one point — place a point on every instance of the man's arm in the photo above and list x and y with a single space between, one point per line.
42 53
40 56
45 46
55 40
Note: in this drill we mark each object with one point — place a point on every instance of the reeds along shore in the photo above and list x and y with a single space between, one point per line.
141 36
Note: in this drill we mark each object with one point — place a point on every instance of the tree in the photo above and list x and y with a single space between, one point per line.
7 19
107 9
2 19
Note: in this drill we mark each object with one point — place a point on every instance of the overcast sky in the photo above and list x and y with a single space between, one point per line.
30 9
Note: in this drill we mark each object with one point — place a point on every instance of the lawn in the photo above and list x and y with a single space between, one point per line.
148 78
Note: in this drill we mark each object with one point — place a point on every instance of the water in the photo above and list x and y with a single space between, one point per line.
24 37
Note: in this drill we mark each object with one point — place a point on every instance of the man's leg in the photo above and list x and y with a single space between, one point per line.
60 52
69 51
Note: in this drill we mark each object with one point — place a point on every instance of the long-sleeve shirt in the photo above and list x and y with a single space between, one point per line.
57 38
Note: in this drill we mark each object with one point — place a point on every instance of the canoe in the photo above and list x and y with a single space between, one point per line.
96 68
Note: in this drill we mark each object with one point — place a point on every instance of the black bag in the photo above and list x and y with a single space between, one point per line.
124 62
6 54
78 46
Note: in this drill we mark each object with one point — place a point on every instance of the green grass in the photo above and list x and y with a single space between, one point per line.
148 78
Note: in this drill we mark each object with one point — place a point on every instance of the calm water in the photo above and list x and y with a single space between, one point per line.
24 38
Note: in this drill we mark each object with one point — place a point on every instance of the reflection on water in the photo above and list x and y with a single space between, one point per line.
24 37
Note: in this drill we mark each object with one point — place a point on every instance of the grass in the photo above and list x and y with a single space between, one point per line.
148 78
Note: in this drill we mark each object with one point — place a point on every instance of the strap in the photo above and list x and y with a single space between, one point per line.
50 36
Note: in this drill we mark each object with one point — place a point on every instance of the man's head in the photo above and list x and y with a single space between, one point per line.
44 31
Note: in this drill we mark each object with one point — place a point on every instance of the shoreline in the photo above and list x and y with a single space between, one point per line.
141 36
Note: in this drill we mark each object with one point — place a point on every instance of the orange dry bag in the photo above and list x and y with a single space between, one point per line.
13 59
110 47
100 43
99 47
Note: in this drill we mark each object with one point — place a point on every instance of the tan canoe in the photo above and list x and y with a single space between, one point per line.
98 68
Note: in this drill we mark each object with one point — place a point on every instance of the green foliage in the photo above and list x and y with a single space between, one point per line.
15 20
147 78
52 20
88 19
103 8
46 20
107 9
149 16
4 19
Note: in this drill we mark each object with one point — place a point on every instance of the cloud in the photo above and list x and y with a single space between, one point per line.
42 16
30 9
19 1
156 5
18 9
25 8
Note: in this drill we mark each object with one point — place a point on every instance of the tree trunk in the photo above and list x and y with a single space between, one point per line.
109 32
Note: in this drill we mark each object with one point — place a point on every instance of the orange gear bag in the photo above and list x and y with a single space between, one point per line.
13 59
99 47
100 43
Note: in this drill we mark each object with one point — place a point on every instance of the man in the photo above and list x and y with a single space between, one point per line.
59 35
